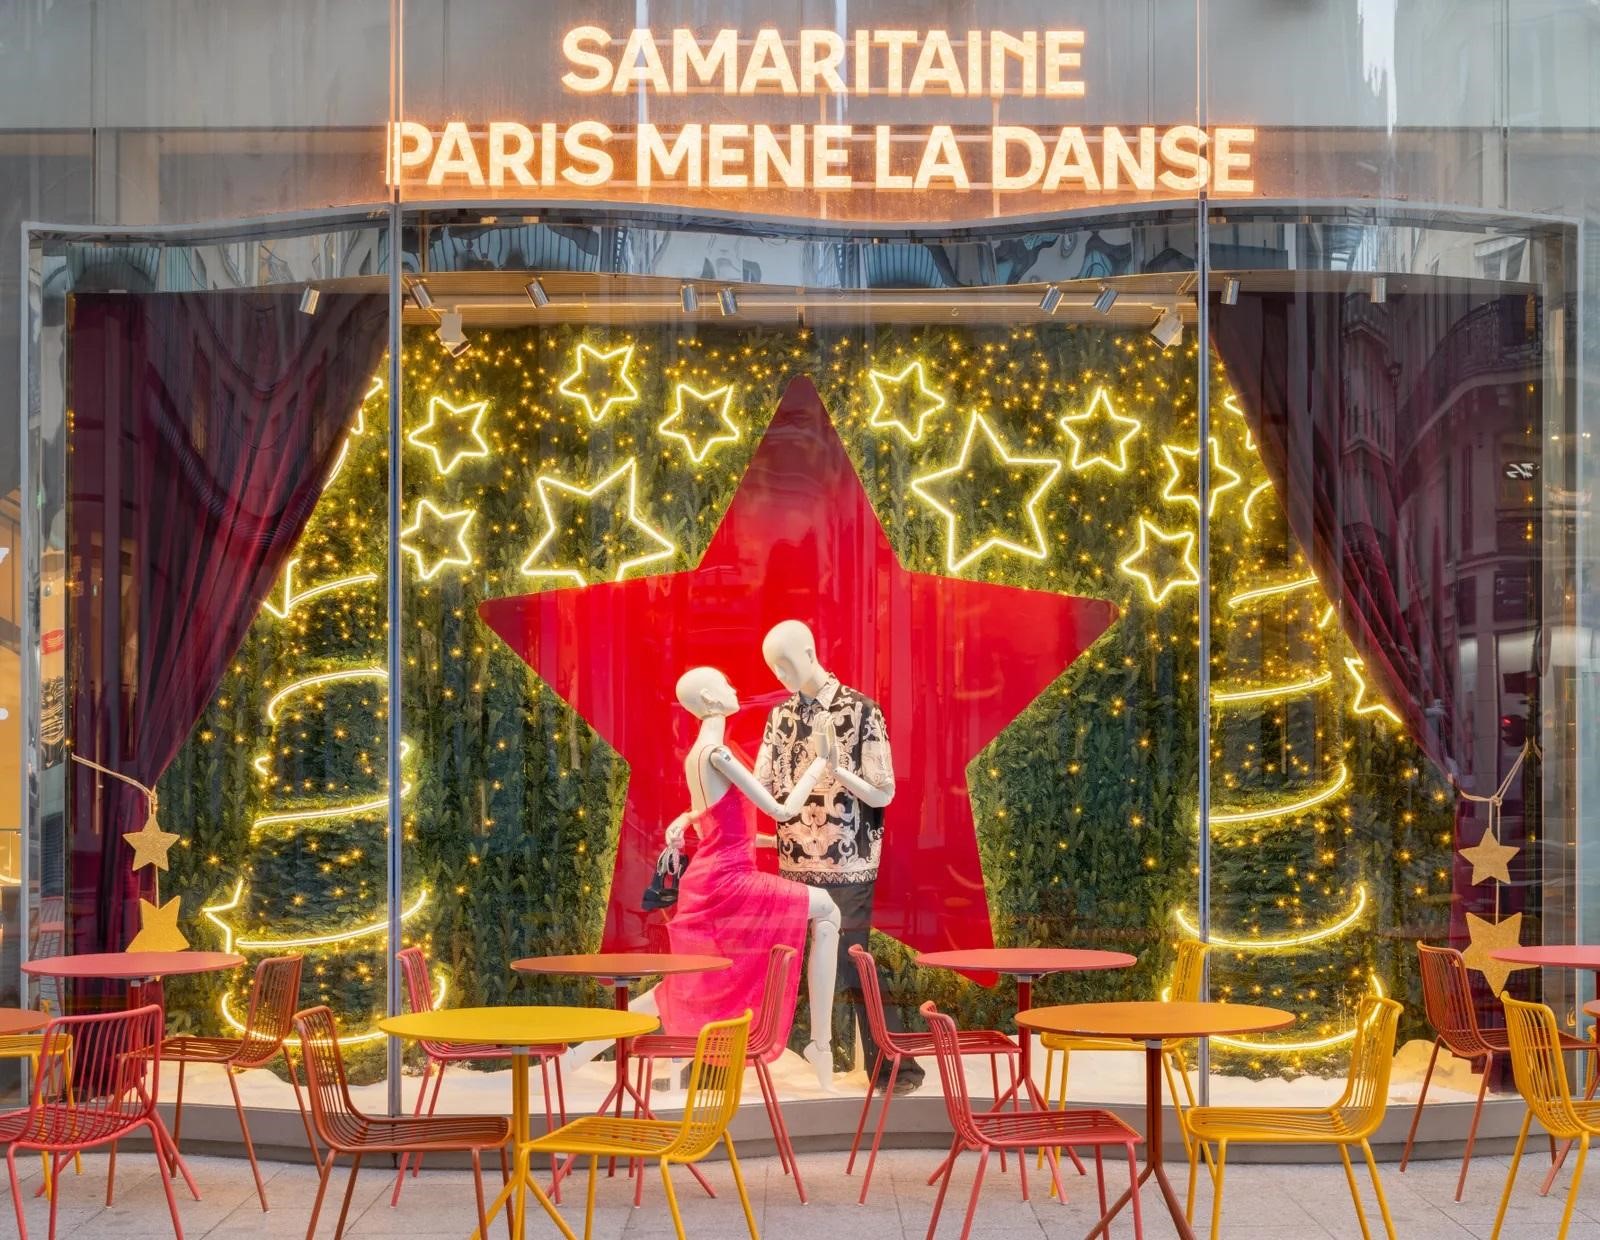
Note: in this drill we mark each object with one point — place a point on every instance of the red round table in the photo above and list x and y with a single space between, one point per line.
620 971
21 1020
1153 1023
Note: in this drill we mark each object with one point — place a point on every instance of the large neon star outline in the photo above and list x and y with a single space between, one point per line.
952 662
626 472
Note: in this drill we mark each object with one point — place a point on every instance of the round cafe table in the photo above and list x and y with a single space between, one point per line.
21 1020
1153 1023
517 1029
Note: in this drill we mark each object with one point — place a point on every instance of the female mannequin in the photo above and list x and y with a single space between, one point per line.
726 906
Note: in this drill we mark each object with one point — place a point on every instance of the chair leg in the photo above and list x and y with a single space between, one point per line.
244 1131
550 1126
16 1192
1422 1096
300 1105
944 1183
505 1178
780 1128
977 1188
1511 1175
349 1192
177 1114
1355 1191
324 1175
588 1209
405 1159
1100 1178
166 1187
866 1107
1377 1188
1572 1193
1216 1196
111 1170
1194 1175
775 1121
877 1136
744 1197
55 1202
672 1200
1133 1194
1472 1132
477 1189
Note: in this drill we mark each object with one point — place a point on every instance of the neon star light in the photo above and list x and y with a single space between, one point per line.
708 421
1283 943
621 389
626 477
437 527
1286 809
924 486
1110 448
287 598
1358 704
1189 578
920 401
474 446
1172 491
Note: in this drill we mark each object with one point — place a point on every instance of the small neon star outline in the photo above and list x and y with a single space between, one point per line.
931 401
620 389
1100 410
710 408
1192 496
471 414
1190 577
1036 549
1358 704
625 475
437 529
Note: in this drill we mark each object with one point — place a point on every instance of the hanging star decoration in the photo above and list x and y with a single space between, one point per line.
599 380
968 487
594 525
1100 435
800 539
158 923
903 401
1359 704
1488 937
1144 565
158 928
150 843
441 534
1490 858
452 433
700 420
1183 486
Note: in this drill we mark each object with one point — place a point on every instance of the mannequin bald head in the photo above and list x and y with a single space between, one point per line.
791 652
704 691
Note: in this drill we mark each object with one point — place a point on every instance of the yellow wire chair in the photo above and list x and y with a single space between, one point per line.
30 1046
1188 976
1541 1075
1349 1121
715 1082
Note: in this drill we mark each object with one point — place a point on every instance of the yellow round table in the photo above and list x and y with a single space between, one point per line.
518 1028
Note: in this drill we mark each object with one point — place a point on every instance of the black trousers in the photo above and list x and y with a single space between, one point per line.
855 912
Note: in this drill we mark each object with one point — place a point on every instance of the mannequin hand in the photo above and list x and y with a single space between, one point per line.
676 830
828 744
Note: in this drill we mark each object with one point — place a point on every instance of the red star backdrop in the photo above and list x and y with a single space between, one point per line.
951 662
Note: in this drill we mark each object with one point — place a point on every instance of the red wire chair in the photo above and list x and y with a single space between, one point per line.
762 1047
419 995
1018 1130
899 1046
274 995
345 1130
108 1093
1447 998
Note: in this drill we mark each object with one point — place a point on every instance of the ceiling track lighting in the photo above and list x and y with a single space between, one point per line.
1378 290
310 298
1168 329
1230 291
1051 299
420 295
690 297
728 300
1105 299
534 288
459 348
450 333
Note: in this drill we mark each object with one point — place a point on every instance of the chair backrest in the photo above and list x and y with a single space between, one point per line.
333 1114
777 1000
716 1080
872 997
105 1066
414 969
1540 1071
1189 971
1366 1090
274 996
947 1050
1447 998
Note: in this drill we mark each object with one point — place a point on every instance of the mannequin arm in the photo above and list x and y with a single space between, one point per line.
867 793
737 774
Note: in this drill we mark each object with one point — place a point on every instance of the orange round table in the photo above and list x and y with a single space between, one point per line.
21 1020
1153 1023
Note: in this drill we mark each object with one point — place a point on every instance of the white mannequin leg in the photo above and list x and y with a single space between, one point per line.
822 967
577 1056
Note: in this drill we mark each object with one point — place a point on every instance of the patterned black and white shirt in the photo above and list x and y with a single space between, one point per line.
836 839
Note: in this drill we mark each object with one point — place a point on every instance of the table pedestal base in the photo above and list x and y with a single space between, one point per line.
1153 1165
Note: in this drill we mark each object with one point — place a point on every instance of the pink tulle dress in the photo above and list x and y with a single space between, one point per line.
727 907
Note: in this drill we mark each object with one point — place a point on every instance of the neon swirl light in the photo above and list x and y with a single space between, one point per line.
1284 943
1289 808
1294 1048
1283 587
323 678
1290 688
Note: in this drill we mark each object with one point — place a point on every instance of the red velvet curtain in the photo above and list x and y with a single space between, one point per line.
202 428
1385 429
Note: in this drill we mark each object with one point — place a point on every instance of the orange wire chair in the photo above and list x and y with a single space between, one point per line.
345 1130
763 1047
419 994
897 1047
1447 998
1537 1049
715 1082
108 1093
986 1131
30 1046
274 995
1349 1121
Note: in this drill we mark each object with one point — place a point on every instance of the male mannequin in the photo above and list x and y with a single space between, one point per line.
834 842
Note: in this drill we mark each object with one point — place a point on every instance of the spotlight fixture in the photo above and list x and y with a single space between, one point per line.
450 334
690 298
1378 290
1105 299
534 288
1230 291
420 295
1168 329
459 348
1051 299
729 301
309 298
